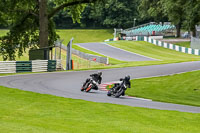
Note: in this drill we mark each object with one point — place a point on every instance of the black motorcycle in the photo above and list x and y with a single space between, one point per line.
89 85
119 88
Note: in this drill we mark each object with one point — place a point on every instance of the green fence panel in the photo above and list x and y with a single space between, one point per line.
186 50
51 65
193 52
23 66
140 38
162 44
180 49
167 45
156 42
174 47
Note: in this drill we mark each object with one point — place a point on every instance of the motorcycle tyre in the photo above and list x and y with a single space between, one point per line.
89 88
109 93
117 95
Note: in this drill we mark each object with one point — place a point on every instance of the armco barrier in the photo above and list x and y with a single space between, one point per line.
29 66
23 66
172 46
7 66
86 56
51 65
39 65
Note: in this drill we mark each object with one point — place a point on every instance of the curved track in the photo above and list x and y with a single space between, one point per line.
114 52
67 84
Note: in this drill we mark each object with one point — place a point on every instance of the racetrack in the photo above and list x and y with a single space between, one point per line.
114 52
68 84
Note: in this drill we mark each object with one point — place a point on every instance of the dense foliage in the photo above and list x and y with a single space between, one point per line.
179 12
31 23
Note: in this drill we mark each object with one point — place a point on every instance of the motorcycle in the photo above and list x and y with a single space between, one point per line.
119 88
89 85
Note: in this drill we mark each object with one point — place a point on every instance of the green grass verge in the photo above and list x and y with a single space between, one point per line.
85 35
22 111
80 35
179 88
183 44
156 52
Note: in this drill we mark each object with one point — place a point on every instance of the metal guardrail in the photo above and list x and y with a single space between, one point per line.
7 66
195 43
23 66
29 66
90 57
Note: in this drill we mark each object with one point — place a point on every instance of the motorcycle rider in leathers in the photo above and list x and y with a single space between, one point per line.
96 78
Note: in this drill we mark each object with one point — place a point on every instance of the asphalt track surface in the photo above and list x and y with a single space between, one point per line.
68 84
114 52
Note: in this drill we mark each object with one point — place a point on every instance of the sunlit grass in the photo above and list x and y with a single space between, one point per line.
23 112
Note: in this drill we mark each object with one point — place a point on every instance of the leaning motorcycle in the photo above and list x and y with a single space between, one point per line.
89 85
119 88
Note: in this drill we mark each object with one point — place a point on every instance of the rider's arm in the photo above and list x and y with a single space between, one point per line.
129 84
100 78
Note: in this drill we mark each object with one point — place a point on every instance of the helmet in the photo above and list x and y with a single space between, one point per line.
127 77
99 73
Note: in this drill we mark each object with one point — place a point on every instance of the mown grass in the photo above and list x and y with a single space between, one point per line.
156 52
179 88
183 44
85 35
22 111
80 35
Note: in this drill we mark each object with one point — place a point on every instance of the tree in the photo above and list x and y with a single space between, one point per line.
175 11
31 23
192 15
116 13
152 10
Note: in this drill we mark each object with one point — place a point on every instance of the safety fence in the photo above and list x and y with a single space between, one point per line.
90 57
195 43
29 66
172 46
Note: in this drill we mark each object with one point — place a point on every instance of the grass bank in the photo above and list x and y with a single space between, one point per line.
179 88
153 51
85 35
183 44
22 111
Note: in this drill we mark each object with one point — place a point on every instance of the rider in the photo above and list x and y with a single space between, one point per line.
96 77
126 81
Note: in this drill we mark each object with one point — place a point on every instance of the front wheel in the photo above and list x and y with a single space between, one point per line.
118 94
109 93
89 88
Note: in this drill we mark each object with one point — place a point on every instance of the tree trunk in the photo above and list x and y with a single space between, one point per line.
43 22
193 31
178 30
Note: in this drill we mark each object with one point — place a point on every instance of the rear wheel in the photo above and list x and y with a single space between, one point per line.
89 88
109 93
119 93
